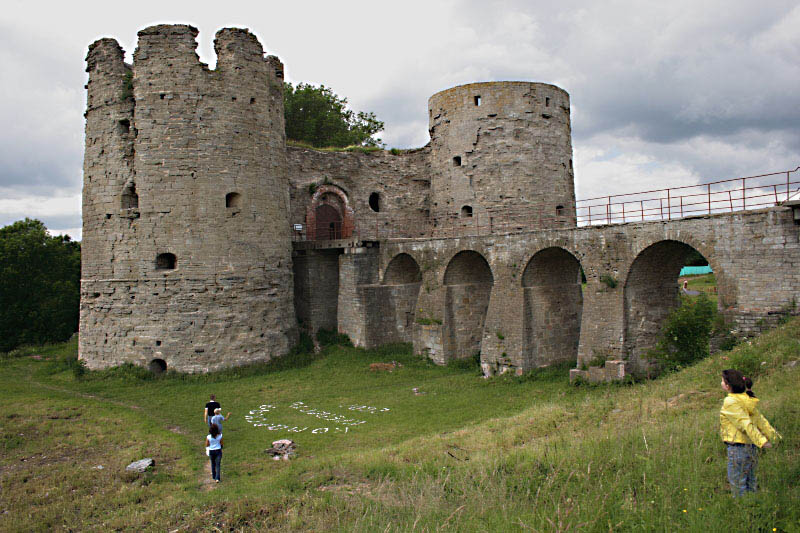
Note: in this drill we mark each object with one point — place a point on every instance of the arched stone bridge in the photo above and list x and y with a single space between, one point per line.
517 298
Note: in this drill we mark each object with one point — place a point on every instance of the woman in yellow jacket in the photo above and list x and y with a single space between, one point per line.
744 430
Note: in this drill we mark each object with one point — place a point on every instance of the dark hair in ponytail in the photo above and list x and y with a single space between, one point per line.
214 430
735 380
748 384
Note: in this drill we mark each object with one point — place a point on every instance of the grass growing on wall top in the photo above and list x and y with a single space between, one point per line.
527 453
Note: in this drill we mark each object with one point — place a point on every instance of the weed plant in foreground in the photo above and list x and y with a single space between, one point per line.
529 453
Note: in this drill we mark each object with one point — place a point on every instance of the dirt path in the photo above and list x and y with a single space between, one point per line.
206 483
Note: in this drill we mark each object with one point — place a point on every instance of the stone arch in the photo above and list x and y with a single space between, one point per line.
157 366
402 281
329 214
402 269
468 283
552 307
650 293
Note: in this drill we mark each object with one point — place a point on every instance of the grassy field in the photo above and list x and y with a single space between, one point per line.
704 283
509 454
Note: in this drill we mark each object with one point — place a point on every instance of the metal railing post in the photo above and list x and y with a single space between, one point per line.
709 198
744 202
669 206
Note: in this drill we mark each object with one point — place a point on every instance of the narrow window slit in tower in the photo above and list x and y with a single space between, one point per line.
547 101
559 210
130 200
233 200
125 125
252 100
166 262
457 161
477 100
466 211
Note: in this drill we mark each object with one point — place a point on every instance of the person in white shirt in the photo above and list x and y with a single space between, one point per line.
214 445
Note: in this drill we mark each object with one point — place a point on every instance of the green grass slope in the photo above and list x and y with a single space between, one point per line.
460 454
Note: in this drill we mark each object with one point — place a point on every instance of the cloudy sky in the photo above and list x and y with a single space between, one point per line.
663 93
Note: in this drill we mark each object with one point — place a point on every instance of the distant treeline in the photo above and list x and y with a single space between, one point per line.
39 285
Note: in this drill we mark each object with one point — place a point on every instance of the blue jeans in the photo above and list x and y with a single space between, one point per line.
742 462
216 462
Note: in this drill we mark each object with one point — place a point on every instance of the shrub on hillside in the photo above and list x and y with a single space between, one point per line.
685 334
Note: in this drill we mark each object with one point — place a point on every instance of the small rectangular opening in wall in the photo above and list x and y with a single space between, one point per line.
457 161
477 99
547 101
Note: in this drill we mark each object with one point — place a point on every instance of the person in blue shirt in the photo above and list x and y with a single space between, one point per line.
218 419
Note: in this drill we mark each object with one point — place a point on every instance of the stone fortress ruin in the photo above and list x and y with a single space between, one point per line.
208 242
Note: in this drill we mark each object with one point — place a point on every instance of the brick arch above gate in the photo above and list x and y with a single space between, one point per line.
344 208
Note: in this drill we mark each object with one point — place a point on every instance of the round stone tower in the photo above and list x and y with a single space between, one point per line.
501 156
186 232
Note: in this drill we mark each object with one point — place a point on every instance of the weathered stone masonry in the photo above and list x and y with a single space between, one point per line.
198 273
192 201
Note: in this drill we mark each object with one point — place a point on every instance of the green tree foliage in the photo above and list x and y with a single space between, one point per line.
317 116
685 334
695 258
39 285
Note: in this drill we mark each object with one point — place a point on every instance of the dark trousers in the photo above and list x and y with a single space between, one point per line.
216 463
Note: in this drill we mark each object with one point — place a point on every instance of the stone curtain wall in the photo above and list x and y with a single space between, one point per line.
196 136
641 257
316 288
401 181
499 147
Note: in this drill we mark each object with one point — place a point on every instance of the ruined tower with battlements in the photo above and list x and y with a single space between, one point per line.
210 242
186 247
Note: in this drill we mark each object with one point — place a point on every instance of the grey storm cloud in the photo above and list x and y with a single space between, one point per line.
41 138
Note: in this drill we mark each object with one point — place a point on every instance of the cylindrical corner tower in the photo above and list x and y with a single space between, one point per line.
207 281
501 156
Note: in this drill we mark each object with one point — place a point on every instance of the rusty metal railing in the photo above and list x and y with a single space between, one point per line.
724 196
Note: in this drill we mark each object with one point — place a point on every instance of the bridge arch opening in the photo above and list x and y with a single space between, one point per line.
552 307
468 281
402 279
654 287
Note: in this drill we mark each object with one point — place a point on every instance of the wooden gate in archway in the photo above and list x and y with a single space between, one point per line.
328 223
